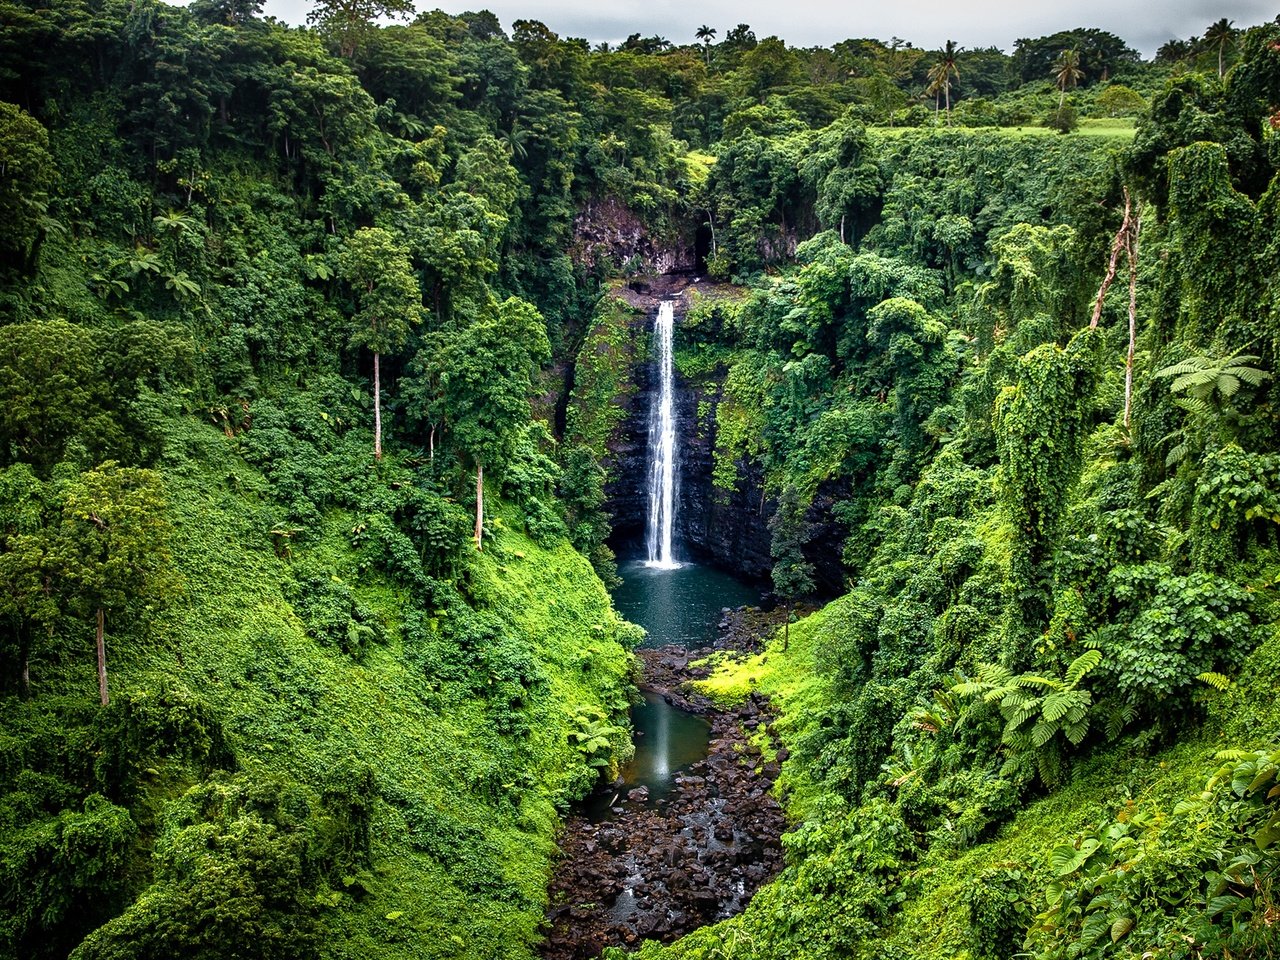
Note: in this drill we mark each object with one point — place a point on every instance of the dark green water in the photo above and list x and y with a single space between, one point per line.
680 606
667 741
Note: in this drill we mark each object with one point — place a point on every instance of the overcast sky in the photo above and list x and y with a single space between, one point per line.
804 23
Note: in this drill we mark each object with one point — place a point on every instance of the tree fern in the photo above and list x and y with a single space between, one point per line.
1037 708
1200 377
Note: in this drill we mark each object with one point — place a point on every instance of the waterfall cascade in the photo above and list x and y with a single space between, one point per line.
662 446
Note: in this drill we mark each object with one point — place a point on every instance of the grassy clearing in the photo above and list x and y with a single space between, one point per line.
1108 128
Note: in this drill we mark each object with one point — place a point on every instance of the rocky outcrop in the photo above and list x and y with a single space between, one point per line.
606 230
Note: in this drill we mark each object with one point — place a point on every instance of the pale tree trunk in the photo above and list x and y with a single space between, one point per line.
1120 243
377 408
431 443
947 90
479 505
1132 251
1126 240
842 216
102 657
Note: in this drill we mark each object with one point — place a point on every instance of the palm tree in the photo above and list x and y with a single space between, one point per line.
1219 35
706 35
940 73
1067 73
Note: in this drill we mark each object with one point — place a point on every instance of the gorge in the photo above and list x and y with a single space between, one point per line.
469 492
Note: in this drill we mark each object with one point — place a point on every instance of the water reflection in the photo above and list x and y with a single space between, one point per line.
667 741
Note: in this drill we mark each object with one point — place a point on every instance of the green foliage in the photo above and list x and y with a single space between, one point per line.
792 573
1039 423
240 860
27 173
1037 709
209 217
1170 629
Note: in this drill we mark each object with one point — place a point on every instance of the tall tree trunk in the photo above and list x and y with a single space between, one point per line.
947 90
377 407
102 657
1120 243
24 652
479 505
1132 251
431 444
842 216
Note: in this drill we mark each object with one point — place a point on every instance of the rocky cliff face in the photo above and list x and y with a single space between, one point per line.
606 230
729 529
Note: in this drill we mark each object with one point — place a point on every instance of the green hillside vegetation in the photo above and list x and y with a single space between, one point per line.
308 381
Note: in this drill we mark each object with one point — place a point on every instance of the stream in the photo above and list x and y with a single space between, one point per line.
689 830
677 606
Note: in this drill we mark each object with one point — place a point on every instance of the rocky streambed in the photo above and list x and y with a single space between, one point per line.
658 868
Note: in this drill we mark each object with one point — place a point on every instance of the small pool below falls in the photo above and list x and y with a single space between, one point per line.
680 605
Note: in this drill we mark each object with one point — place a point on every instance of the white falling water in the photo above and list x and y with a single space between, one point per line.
662 447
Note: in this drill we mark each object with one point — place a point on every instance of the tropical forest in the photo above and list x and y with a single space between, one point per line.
468 491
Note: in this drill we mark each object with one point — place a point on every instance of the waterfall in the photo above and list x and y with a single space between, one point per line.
662 447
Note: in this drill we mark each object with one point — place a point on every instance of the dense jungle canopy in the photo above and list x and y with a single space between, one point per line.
314 362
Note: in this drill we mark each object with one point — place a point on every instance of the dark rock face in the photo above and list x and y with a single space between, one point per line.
628 462
606 230
731 530
727 530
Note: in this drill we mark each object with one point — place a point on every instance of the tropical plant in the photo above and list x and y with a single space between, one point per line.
1206 381
706 35
1036 709
942 72
1221 35
1066 74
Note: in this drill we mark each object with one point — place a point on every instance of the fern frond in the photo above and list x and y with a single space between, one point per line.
994 674
1194 381
1031 680
1076 732
1042 733
1183 367
1057 705
1197 406
1021 716
1253 376
1215 680
1081 665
